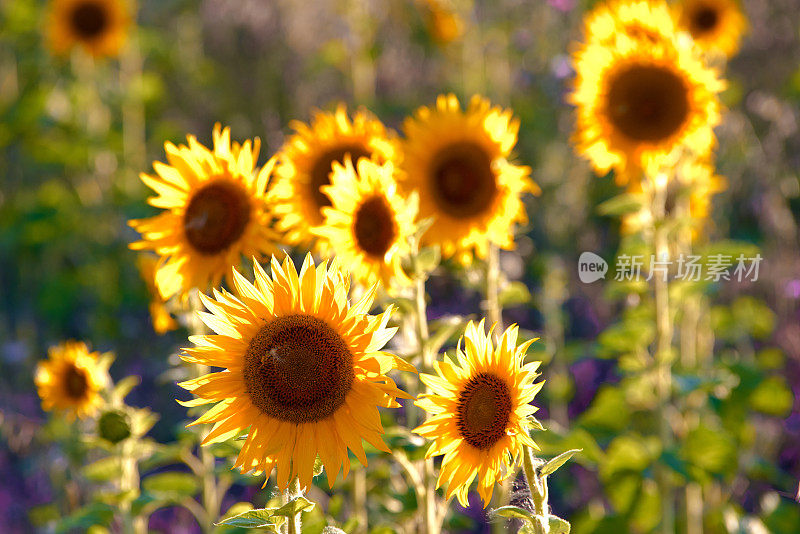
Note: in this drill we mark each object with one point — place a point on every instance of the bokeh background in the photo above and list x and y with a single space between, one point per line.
75 132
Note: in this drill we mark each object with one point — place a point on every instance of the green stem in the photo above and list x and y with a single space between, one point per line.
292 492
538 488
211 498
431 521
493 308
663 359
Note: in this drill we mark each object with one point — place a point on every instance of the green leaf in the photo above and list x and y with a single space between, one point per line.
428 259
514 294
514 512
294 507
621 204
172 485
103 470
447 326
552 465
773 397
125 386
558 525
258 518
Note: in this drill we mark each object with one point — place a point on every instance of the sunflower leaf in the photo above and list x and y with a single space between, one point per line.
621 204
552 465
294 507
258 518
558 525
514 512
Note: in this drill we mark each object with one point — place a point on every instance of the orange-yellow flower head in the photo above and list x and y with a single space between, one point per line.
642 103
304 370
99 26
716 26
480 410
368 223
457 160
214 212
306 163
71 379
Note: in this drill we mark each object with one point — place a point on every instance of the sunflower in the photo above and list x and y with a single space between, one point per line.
368 223
303 370
71 379
100 26
305 165
457 161
715 25
641 103
695 181
443 22
214 211
646 20
481 416
163 322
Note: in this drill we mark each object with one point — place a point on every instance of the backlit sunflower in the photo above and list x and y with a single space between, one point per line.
646 20
368 223
71 379
481 416
715 25
306 162
641 103
100 26
214 212
304 370
457 161
163 322
693 186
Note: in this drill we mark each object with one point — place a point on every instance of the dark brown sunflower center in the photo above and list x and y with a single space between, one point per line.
704 20
89 19
75 383
321 171
374 226
216 217
463 182
483 411
647 103
298 369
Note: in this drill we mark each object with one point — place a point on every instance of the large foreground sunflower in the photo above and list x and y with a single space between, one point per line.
457 161
368 224
304 370
641 103
306 162
481 416
71 379
715 25
100 26
214 212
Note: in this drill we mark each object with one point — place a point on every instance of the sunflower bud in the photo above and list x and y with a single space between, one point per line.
114 426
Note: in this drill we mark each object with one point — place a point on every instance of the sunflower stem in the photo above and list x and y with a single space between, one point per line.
292 492
211 501
538 488
494 309
663 358
431 519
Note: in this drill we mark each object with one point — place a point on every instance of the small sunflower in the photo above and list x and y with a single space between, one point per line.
71 379
641 103
304 370
481 411
163 322
457 161
715 25
443 22
368 223
306 162
100 26
695 181
645 20
214 212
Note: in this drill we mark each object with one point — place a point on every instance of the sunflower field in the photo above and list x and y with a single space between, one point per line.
400 266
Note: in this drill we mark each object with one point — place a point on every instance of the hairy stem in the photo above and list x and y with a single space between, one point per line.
292 492
538 488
